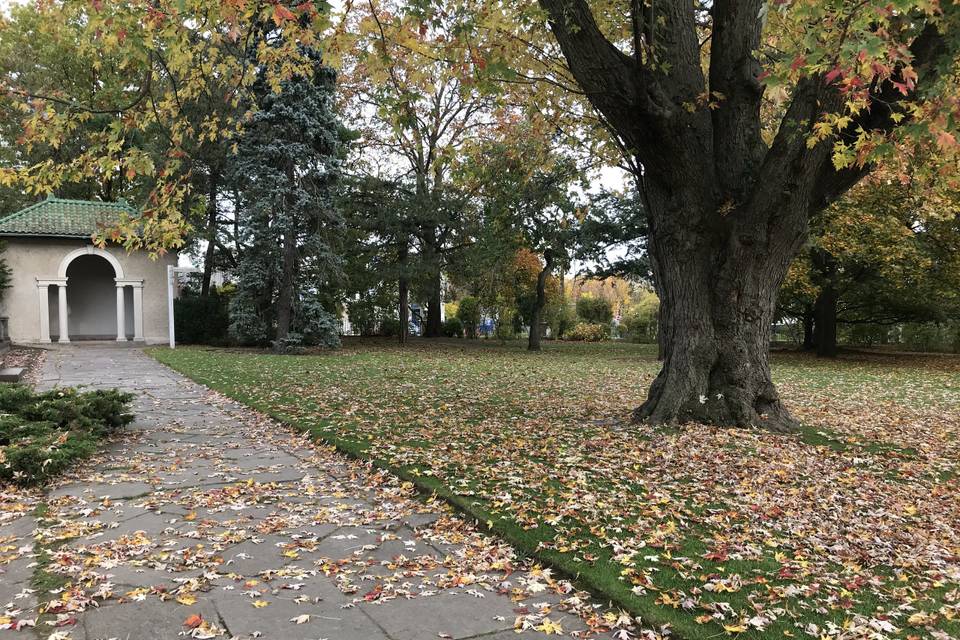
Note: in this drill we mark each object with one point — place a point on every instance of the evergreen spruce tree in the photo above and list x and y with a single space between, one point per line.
287 163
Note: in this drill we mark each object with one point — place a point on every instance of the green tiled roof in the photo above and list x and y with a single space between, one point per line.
63 218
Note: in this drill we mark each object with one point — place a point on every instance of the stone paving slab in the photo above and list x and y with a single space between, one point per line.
206 520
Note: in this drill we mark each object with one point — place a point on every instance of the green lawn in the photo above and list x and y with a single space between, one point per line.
851 527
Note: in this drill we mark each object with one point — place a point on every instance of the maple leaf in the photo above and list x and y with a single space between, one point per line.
193 621
834 73
946 140
921 619
282 15
550 627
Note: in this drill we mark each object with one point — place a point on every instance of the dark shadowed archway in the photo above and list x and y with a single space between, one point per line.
92 298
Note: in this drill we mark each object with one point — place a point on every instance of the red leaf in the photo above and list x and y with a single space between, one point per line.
945 140
834 74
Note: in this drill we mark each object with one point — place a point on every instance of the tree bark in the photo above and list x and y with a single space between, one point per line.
533 342
434 325
809 342
661 335
286 293
211 234
825 310
718 290
404 295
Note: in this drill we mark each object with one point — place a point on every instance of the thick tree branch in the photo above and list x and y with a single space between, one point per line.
928 49
736 92
637 16
609 77
646 104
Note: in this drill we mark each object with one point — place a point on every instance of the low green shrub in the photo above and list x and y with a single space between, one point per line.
202 320
39 458
291 345
316 325
389 327
41 434
586 332
14 397
453 328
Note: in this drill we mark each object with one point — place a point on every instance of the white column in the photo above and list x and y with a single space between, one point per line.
138 312
121 319
44 305
62 308
171 274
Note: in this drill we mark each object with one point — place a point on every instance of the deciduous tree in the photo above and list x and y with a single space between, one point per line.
744 119
526 190
148 73
885 254
409 81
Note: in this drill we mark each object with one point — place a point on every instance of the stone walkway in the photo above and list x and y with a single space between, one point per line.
208 520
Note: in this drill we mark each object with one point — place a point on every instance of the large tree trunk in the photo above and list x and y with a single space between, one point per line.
533 343
825 306
718 284
287 282
661 335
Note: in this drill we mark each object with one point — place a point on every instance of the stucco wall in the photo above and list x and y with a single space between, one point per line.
33 258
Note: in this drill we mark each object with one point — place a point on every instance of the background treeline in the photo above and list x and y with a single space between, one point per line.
375 187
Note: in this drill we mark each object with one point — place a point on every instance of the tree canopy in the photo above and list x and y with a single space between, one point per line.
142 93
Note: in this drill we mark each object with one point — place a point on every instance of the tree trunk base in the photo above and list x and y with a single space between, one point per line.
725 405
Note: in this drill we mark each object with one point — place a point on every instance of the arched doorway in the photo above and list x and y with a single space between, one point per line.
92 299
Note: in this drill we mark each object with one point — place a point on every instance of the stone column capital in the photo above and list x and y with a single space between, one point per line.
47 282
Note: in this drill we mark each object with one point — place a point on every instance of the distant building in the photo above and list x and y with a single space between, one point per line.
64 288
